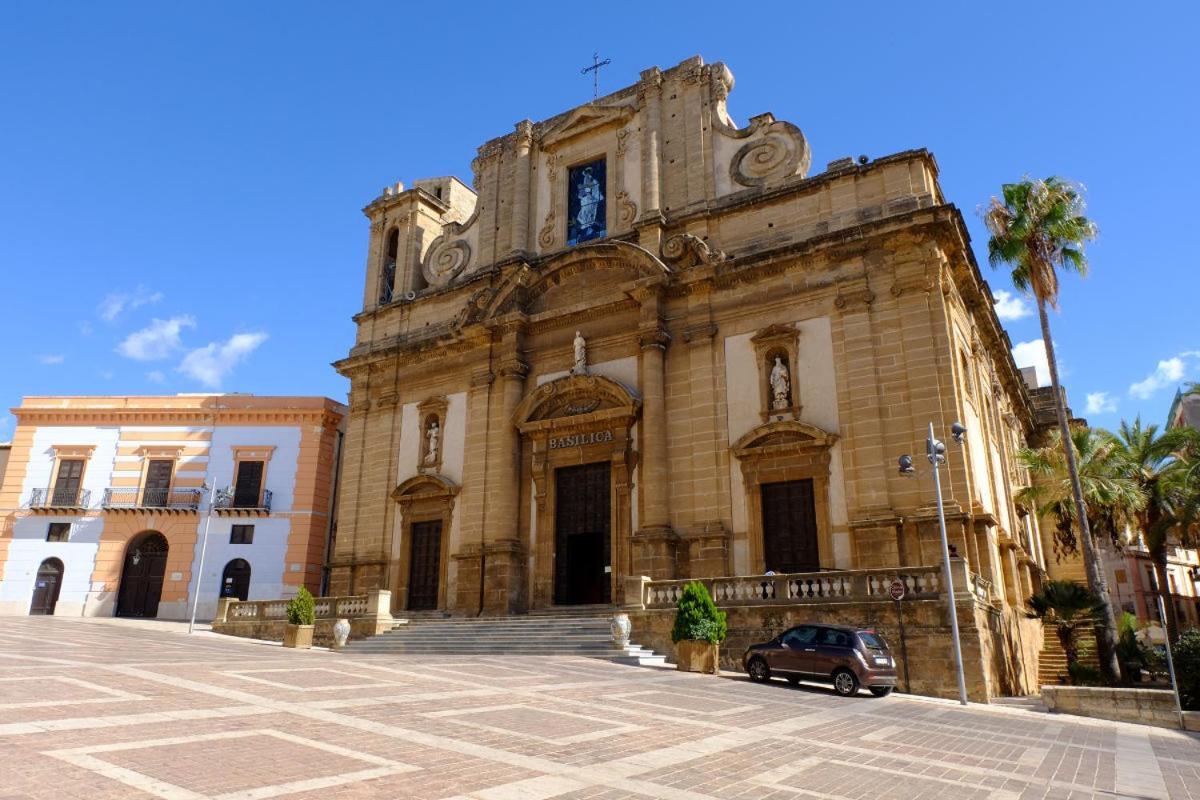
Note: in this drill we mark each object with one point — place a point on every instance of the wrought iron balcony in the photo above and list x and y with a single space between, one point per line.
122 498
43 499
231 502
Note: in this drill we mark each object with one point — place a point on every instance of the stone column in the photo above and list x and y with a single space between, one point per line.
521 179
655 543
650 224
502 583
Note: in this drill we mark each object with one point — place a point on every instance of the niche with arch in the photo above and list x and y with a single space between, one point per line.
775 350
387 269
431 415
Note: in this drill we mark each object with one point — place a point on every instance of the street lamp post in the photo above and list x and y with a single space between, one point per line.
212 493
935 451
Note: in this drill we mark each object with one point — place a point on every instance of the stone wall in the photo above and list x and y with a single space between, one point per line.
1147 706
992 668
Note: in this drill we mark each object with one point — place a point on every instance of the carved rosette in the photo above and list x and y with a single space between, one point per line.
445 260
778 151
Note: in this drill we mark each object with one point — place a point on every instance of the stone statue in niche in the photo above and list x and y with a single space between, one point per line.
432 435
781 385
581 367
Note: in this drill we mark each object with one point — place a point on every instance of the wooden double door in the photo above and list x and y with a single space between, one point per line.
46 587
790 527
583 534
142 576
424 565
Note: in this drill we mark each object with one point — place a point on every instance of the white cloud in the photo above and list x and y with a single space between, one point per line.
113 304
52 358
1168 373
157 341
156 376
1033 354
1101 403
1009 306
211 364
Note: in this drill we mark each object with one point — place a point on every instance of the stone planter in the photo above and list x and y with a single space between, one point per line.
341 633
299 636
692 655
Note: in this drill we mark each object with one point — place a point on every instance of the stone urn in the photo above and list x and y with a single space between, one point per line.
620 627
341 633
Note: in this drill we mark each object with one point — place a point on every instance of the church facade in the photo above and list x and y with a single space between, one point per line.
647 341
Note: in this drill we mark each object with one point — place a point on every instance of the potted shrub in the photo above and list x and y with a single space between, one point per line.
301 615
699 630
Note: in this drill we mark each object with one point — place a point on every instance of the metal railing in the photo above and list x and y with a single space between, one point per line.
60 498
119 497
227 499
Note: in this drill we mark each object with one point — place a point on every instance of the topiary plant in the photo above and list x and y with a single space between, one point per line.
697 617
302 609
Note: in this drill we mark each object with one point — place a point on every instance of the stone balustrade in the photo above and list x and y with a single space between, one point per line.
368 613
920 583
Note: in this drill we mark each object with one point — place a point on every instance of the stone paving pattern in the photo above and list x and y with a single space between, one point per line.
103 709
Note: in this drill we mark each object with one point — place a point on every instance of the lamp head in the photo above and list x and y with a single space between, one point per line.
935 451
958 431
907 469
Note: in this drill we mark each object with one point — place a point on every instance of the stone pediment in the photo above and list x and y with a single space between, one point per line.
586 119
787 433
575 398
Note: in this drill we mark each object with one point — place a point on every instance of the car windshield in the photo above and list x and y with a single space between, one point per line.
872 640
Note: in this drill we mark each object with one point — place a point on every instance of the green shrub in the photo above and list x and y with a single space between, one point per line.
1186 654
1128 648
302 609
697 617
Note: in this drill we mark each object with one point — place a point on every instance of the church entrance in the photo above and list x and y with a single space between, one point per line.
425 565
789 518
142 576
582 535
46 587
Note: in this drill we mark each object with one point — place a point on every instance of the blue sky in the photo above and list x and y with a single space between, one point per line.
182 183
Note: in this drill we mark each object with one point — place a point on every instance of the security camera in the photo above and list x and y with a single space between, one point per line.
906 466
958 431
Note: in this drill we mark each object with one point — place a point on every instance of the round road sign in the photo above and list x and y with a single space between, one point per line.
896 590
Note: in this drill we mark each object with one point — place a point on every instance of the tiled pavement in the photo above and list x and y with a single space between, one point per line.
104 709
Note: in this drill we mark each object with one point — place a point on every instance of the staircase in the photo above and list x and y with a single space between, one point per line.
1052 661
546 633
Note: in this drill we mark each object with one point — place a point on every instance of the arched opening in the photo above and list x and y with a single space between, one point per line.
142 575
387 274
46 587
235 580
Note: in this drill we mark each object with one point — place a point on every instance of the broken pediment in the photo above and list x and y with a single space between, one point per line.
786 433
575 396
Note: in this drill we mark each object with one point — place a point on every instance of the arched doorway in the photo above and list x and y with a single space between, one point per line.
235 581
142 576
46 587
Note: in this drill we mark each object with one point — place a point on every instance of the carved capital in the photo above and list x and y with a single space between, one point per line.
482 378
654 337
699 333
514 368
853 297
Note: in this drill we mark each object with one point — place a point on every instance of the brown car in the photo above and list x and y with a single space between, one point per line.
844 656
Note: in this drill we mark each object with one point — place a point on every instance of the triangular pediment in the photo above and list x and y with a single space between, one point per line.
584 119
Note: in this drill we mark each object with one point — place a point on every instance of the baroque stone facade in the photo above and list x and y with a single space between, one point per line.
761 345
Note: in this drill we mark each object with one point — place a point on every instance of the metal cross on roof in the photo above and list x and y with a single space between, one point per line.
595 70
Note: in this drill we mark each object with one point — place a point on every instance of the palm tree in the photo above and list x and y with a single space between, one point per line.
1156 462
1069 607
1111 497
1038 228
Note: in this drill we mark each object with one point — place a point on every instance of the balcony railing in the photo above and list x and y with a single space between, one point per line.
119 498
228 500
59 498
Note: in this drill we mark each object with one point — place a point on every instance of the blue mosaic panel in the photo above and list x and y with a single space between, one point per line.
586 204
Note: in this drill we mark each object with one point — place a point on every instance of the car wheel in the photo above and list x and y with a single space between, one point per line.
793 680
758 670
845 683
881 691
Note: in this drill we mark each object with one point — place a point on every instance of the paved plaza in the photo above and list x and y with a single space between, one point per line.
105 709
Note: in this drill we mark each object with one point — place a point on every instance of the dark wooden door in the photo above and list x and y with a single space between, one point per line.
46 587
247 489
142 577
66 485
582 535
158 481
789 518
425 565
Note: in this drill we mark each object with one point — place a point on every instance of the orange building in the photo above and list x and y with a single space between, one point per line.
107 503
